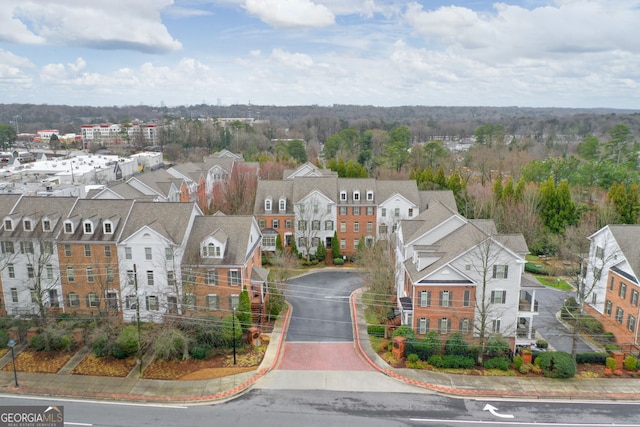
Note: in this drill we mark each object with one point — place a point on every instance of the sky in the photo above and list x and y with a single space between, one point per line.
527 53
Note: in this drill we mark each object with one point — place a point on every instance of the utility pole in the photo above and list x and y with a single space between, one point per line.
233 323
135 282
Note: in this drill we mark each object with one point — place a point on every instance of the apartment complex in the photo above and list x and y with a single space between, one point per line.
113 257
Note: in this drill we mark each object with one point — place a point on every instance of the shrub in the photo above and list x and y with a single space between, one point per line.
456 345
38 342
611 363
542 343
67 343
404 331
525 368
451 361
501 363
497 346
126 343
630 363
199 351
599 358
243 312
607 338
535 269
338 261
376 330
4 338
611 347
518 361
557 364
321 251
413 358
170 344
101 346
427 346
228 328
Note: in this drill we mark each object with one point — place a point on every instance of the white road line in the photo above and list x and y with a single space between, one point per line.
519 423
97 402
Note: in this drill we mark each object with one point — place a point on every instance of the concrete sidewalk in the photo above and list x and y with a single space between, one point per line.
63 384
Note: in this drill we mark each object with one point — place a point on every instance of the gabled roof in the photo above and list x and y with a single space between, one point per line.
159 181
237 229
170 219
304 186
406 188
7 202
307 170
124 191
426 221
37 208
445 197
628 238
273 189
98 211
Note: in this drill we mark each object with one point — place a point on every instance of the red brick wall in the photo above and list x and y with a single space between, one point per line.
454 312
350 220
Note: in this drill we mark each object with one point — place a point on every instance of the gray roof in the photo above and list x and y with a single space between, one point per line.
427 220
407 188
7 202
169 219
274 189
445 197
159 181
303 186
55 209
234 230
627 237
190 170
126 191
98 211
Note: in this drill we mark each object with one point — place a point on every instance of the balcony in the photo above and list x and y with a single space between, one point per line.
526 306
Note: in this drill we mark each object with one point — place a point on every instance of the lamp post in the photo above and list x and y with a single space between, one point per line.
233 327
12 344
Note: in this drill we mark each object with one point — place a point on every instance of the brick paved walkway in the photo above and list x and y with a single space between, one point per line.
323 356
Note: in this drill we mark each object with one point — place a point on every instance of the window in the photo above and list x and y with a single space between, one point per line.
301 209
74 299
12 271
611 282
109 274
356 242
315 225
107 250
444 325
168 254
130 277
498 297
90 277
275 223
92 299
68 228
328 225
171 278
495 326
329 209
283 205
356 226
445 298
410 213
465 326
67 250
262 224
369 227
46 225
369 196
425 298
87 250
212 277
634 297
111 300
396 212
268 241
150 280
8 226
131 302
369 210
30 271
343 227
302 225
127 253
500 271
212 251
597 272
383 228
190 301
26 247
49 270
212 302
148 254
594 298
70 274
315 208
234 278
423 325
288 223
234 300
619 315
267 205
302 242
356 196
599 252
466 299
26 224
383 212
343 210
343 196
88 228
622 291
631 323
315 242
7 247
152 302
14 294
608 307
107 228
343 243
356 210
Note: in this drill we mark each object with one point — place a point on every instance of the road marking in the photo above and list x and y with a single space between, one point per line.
97 402
337 297
494 411
441 421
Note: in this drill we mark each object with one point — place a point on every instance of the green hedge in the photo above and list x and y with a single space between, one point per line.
451 361
594 357
535 269
376 330
338 261
501 363
557 364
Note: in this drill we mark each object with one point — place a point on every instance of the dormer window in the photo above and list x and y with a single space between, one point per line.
107 227
283 204
26 224
88 227
267 204
46 225
369 196
211 250
68 227
343 196
356 196
8 225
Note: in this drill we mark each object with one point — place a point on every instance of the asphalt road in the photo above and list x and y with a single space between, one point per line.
280 408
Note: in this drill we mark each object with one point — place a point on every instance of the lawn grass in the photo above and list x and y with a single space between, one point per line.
555 283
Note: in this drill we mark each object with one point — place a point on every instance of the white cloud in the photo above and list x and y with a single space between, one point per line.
104 24
291 13
12 70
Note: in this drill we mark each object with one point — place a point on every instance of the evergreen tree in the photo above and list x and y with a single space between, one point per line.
321 251
557 209
440 179
508 193
335 246
626 201
279 246
243 312
498 190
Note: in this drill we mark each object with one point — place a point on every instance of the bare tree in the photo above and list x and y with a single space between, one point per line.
310 216
43 279
379 276
236 195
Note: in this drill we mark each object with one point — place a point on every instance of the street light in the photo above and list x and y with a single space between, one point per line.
12 344
233 327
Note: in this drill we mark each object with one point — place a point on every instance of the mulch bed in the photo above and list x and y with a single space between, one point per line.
107 366
46 362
